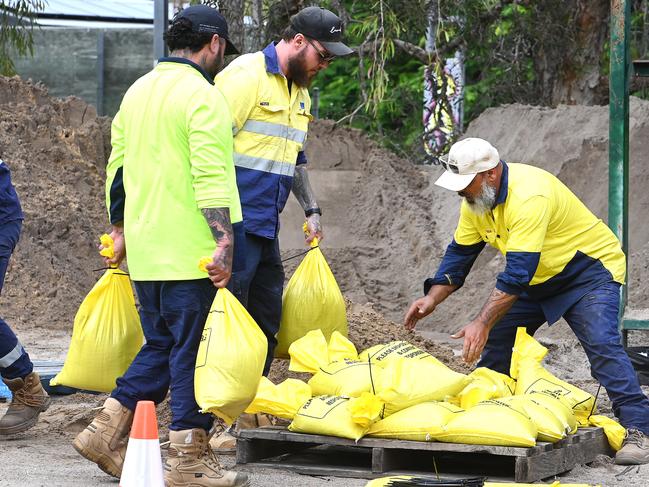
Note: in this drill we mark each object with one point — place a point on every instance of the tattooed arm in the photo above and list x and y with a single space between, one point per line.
304 195
220 269
475 334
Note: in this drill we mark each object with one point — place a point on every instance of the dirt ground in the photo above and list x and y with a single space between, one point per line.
386 228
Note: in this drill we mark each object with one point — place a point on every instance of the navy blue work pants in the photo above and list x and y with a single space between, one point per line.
259 288
594 320
173 314
14 361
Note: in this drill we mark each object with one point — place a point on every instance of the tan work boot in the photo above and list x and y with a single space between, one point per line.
104 440
635 449
192 463
226 442
29 400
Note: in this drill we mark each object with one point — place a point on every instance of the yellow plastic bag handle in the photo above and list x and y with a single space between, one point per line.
109 246
202 263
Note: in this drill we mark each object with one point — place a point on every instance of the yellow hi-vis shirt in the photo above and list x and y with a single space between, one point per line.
556 249
270 123
171 157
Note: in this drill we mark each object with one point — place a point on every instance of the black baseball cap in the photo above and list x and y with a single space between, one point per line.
322 25
207 20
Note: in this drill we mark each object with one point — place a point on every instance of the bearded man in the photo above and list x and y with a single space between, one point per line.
561 261
270 105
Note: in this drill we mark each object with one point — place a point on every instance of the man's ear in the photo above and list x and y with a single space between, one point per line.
215 43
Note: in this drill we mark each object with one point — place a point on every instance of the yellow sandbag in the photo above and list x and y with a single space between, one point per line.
525 346
550 427
613 430
397 350
385 481
486 384
230 359
421 422
328 415
281 400
341 348
491 422
106 336
345 378
312 300
404 383
533 377
561 411
309 353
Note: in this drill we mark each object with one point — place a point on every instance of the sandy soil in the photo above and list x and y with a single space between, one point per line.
386 223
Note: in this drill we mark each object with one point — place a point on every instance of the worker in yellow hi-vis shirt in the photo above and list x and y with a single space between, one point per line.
561 261
172 199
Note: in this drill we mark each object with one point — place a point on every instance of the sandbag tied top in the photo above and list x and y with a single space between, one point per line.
312 352
312 300
486 384
329 415
281 400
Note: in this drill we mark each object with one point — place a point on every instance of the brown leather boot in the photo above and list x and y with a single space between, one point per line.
104 440
192 463
226 442
29 400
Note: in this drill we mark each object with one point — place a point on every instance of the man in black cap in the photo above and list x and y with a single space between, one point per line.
172 198
267 92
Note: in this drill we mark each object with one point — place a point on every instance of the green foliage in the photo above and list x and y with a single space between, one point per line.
16 30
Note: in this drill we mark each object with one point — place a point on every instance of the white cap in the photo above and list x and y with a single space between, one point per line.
466 158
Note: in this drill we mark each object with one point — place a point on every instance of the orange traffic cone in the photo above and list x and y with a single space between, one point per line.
143 464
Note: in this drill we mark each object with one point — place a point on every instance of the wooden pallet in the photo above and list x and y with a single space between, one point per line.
276 447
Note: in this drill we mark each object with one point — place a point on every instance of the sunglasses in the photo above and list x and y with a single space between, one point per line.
446 164
325 57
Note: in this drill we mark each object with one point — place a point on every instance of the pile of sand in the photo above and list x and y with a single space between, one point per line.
56 151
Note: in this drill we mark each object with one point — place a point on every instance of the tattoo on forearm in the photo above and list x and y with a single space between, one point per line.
302 189
218 220
496 307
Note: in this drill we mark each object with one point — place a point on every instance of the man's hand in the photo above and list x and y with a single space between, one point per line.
475 336
220 269
418 310
313 228
119 247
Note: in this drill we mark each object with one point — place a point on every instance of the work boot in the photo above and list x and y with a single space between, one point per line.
192 463
635 449
29 400
226 442
104 440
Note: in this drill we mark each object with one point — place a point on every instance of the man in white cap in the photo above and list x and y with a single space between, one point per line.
561 261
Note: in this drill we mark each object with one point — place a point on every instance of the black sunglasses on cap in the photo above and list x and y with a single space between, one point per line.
449 166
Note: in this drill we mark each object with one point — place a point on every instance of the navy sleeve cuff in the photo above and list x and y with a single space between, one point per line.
117 198
301 158
455 266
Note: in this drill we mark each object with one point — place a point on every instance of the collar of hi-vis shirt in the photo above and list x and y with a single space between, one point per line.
182 60
272 61
504 183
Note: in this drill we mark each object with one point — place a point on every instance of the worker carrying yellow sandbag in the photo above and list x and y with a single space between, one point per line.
312 300
230 359
106 334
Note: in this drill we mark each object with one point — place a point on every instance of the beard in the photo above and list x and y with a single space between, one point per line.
485 201
297 70
217 65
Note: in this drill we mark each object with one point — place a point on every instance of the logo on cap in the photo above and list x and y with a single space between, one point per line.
334 30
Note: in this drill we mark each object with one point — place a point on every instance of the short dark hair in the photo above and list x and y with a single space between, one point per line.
289 33
181 36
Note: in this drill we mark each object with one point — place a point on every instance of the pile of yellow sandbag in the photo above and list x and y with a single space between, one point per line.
399 391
